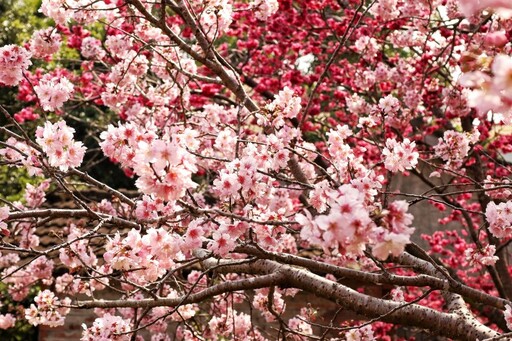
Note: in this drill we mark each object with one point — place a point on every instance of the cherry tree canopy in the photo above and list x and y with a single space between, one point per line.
263 139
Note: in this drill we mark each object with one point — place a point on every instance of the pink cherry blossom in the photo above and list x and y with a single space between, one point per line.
471 7
300 326
390 243
386 9
260 302
91 48
347 225
217 17
4 214
7 321
78 254
45 43
55 10
395 231
498 39
14 61
484 256
500 219
53 92
502 71
265 8
35 196
57 142
49 310
107 327
227 184
508 316
193 236
360 334
118 45
286 104
399 156
222 243
389 104
454 147
397 295
199 104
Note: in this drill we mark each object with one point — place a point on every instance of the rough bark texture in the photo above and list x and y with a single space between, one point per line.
458 324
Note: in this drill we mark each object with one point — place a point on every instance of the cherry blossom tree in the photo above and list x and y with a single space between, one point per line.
263 140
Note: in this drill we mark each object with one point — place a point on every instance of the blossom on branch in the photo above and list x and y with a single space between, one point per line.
45 43
265 8
57 142
53 92
107 327
14 61
48 311
399 156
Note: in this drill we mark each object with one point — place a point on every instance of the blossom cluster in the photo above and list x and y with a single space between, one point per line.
499 218
347 226
79 253
21 154
339 150
4 214
91 48
394 231
57 142
48 311
300 326
7 321
63 11
45 42
14 61
107 327
399 156
285 105
39 270
52 92
490 89
35 196
453 147
216 18
148 256
260 302
498 188
508 315
364 333
484 256
221 161
471 7
265 8
232 325
163 164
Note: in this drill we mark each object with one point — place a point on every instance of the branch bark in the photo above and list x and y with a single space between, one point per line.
453 325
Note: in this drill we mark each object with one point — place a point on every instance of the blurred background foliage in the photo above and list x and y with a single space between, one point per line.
19 18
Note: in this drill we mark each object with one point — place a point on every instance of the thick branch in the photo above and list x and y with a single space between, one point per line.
222 288
452 325
449 325
69 213
424 280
